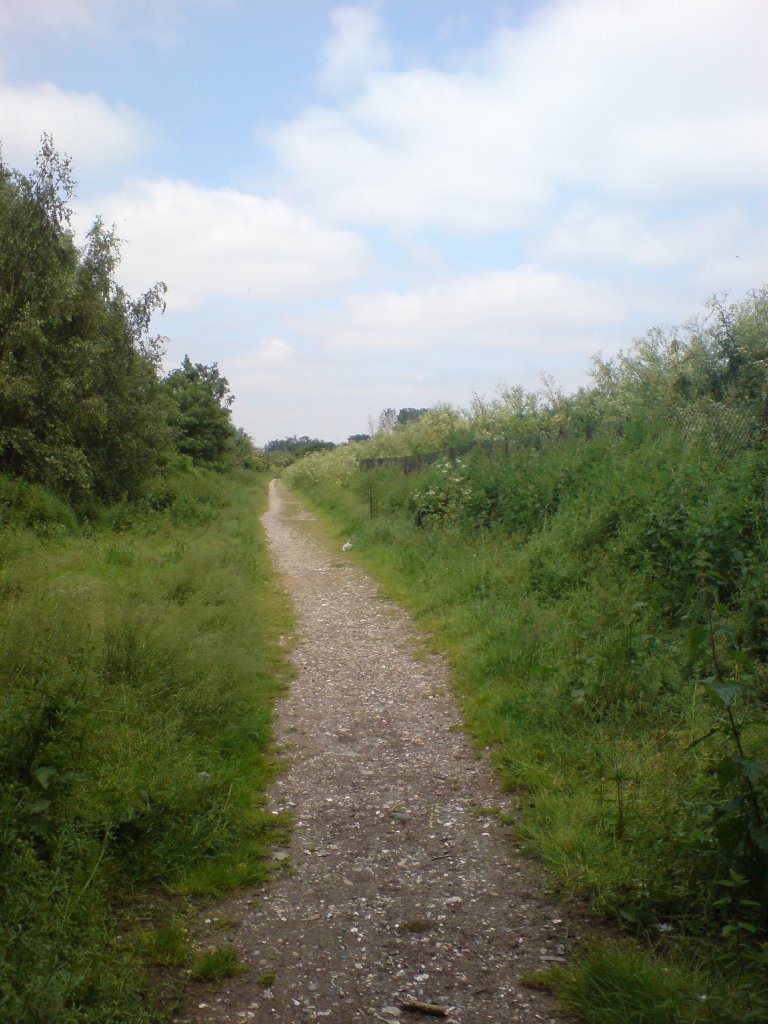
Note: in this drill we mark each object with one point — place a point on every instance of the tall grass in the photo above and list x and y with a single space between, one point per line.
622 985
139 659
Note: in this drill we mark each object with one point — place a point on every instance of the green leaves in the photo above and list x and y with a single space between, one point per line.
80 407
43 775
724 693
751 769
200 411
759 835
734 769
698 639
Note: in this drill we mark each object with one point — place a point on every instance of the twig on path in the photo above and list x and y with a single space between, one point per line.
431 1008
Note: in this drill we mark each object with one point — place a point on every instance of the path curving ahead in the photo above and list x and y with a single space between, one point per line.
401 887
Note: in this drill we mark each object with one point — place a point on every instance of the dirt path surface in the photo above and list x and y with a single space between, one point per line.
403 886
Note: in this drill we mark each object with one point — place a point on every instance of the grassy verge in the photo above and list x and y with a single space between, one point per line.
140 657
602 607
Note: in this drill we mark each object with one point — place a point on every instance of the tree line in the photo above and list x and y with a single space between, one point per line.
85 409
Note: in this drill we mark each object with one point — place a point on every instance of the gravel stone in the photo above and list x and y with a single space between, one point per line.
403 882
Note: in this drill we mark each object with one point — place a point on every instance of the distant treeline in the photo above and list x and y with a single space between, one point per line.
285 450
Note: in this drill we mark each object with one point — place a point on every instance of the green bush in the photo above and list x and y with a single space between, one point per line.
24 504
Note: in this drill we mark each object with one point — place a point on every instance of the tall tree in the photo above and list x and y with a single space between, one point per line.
80 407
200 411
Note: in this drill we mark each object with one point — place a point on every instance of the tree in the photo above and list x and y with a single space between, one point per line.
243 453
409 415
80 408
200 413
284 450
387 421
391 419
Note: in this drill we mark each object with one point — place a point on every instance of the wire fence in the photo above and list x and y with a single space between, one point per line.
724 428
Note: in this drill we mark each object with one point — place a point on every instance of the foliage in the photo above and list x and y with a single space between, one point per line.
138 636
333 468
200 414
78 386
139 659
598 579
282 451
430 430
619 985
242 453
216 964
391 419
83 411
447 498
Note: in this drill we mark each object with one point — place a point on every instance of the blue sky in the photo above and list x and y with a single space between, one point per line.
404 202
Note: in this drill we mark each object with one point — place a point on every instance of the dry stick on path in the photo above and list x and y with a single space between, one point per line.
374 920
428 1008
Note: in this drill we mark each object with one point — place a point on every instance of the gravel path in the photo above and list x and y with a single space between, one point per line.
403 883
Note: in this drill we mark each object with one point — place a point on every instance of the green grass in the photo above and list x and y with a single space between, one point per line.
169 945
140 657
217 964
622 985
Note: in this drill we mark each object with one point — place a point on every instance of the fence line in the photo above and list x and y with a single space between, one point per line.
727 428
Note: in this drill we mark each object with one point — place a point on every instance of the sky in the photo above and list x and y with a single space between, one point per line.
398 203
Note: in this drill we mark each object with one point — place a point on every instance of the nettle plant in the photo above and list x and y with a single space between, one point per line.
447 499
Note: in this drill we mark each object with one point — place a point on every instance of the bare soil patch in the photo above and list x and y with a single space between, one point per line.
400 885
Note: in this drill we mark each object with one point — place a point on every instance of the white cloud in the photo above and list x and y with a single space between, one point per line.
602 235
438 342
513 311
357 48
91 15
303 400
95 133
79 14
207 242
643 101
267 355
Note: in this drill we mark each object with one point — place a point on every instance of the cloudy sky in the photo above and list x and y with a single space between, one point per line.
402 202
